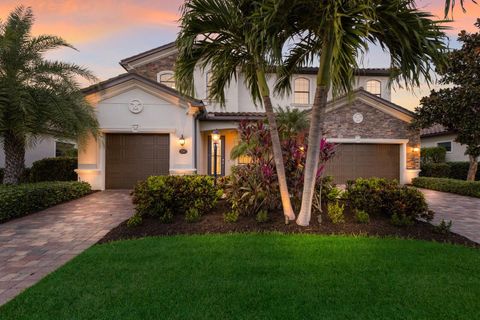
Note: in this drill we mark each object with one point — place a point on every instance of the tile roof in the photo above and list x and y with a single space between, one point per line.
233 116
383 72
434 130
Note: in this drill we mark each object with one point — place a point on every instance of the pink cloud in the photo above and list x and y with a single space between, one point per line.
81 21
461 20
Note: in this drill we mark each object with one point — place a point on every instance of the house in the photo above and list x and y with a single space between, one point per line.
439 136
43 147
149 128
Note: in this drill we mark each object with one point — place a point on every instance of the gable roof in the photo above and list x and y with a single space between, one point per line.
141 55
125 77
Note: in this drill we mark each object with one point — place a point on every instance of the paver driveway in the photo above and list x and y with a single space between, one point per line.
463 211
35 245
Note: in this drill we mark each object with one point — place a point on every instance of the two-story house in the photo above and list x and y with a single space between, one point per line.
149 128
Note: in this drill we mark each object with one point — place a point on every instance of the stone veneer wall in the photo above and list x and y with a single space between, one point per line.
151 69
375 125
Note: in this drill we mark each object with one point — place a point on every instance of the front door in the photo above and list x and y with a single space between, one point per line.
220 156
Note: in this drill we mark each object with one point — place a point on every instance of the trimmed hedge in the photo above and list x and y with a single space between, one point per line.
465 188
167 196
54 169
377 196
433 155
439 170
20 200
459 170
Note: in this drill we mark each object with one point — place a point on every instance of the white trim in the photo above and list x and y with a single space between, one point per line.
139 130
161 73
152 57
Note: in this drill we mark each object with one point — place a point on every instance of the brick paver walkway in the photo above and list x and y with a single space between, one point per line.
33 246
463 211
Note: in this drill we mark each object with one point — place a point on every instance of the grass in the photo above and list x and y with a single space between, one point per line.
259 276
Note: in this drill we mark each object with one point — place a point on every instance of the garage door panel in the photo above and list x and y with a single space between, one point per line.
134 157
354 161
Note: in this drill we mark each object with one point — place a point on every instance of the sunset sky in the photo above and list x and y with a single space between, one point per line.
106 31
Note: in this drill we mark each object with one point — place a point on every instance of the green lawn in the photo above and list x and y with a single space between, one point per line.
258 276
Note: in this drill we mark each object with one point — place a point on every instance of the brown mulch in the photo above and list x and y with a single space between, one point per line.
214 223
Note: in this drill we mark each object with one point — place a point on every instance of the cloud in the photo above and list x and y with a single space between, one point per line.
87 20
461 20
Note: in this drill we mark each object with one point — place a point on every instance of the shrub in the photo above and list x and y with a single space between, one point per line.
166 196
192 215
433 155
230 217
444 227
362 216
54 169
262 216
335 212
20 200
401 220
440 170
387 197
134 220
459 170
465 188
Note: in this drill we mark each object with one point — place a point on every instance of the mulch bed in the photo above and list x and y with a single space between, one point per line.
214 223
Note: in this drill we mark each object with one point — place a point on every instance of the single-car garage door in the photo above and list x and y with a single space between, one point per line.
364 161
134 157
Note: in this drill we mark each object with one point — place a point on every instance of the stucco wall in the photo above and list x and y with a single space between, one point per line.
158 116
44 147
458 150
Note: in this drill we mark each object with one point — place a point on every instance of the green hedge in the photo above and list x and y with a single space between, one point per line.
20 200
433 155
459 170
167 196
465 188
438 170
377 196
54 169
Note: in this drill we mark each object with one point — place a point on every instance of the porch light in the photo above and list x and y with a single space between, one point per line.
181 140
215 136
416 149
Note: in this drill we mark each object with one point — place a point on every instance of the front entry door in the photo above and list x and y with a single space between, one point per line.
220 156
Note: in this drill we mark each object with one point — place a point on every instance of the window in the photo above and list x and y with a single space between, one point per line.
65 149
447 145
374 87
167 79
301 94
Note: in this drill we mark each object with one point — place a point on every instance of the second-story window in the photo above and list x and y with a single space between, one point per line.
374 87
301 94
167 79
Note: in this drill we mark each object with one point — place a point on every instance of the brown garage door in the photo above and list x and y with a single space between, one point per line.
364 161
134 157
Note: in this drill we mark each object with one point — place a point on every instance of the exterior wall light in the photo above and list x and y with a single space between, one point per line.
416 149
182 140
215 136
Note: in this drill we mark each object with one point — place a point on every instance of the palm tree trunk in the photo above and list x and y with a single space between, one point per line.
315 133
472 170
277 148
14 147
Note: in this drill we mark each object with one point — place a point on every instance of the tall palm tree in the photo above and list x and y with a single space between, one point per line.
37 96
224 35
339 33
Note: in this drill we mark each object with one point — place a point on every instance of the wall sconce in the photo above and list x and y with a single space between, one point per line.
215 136
181 140
416 149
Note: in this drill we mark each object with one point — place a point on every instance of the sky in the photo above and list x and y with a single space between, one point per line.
106 31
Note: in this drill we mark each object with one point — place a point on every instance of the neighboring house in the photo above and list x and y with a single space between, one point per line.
44 147
143 118
439 136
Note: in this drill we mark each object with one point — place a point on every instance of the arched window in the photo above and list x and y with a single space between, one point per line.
374 87
167 79
301 93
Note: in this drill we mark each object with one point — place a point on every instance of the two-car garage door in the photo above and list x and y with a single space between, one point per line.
133 157
364 161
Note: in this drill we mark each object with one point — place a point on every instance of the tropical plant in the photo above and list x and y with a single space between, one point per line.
37 96
225 36
457 107
339 33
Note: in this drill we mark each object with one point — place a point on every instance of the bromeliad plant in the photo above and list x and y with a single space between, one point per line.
253 187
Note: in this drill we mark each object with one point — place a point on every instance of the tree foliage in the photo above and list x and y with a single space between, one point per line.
457 108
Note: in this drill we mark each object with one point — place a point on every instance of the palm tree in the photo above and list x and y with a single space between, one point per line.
225 36
37 96
339 32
